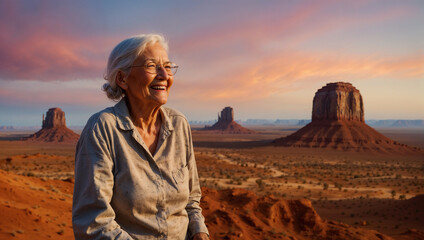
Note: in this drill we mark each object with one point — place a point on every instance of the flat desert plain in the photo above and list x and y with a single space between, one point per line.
381 192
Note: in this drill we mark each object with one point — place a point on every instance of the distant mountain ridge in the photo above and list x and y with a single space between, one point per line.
396 123
389 123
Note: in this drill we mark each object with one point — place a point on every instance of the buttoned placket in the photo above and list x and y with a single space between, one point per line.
161 201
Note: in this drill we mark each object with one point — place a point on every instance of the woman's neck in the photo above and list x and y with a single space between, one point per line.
147 121
144 116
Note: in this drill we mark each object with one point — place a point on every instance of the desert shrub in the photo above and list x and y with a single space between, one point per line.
259 182
325 186
393 192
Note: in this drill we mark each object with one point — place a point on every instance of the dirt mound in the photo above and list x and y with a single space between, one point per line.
240 214
393 217
34 208
411 234
54 134
228 127
417 201
346 135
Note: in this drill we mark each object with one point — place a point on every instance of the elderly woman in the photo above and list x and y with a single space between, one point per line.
135 172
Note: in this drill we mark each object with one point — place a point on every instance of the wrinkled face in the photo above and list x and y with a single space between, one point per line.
148 88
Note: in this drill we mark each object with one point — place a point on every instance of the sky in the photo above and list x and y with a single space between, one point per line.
266 59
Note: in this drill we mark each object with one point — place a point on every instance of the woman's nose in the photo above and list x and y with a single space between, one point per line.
162 73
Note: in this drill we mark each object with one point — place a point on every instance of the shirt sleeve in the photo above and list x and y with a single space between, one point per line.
92 215
196 219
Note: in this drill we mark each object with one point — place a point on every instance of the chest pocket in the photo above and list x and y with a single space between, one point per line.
180 176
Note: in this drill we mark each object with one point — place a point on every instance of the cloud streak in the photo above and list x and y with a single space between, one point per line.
77 92
287 71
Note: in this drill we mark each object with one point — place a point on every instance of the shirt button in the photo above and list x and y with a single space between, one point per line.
161 206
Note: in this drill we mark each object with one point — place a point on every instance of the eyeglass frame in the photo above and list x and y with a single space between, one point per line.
149 61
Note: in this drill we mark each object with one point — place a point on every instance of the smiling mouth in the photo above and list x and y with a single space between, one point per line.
158 87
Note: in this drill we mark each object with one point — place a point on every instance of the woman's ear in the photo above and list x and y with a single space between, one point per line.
120 80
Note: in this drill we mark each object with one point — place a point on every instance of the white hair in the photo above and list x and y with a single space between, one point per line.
122 57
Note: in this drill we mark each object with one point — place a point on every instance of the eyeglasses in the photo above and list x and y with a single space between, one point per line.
153 67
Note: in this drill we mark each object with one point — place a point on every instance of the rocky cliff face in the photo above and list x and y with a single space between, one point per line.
338 101
55 117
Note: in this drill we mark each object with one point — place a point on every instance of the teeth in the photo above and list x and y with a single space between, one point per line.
159 87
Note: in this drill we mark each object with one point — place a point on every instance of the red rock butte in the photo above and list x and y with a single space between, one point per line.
54 128
338 122
226 124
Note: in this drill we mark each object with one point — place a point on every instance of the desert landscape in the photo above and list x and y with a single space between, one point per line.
266 182
307 117
354 191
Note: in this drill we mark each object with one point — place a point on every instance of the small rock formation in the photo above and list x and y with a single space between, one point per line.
226 123
241 214
338 122
227 115
54 128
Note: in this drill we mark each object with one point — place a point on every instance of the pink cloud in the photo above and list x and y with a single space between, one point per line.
303 22
251 29
47 56
39 44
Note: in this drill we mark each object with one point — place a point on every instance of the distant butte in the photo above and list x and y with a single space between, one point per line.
54 128
338 122
226 124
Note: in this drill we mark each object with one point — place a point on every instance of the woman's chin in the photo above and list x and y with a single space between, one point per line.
160 101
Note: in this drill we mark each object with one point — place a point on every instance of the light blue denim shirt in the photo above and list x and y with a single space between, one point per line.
122 191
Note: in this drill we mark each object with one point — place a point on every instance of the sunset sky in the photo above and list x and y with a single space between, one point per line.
266 59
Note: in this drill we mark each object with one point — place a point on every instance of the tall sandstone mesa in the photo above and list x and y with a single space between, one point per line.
54 128
338 122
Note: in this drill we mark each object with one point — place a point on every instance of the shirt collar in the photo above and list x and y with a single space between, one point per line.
166 121
124 122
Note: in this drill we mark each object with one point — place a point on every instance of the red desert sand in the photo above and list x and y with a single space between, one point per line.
34 208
